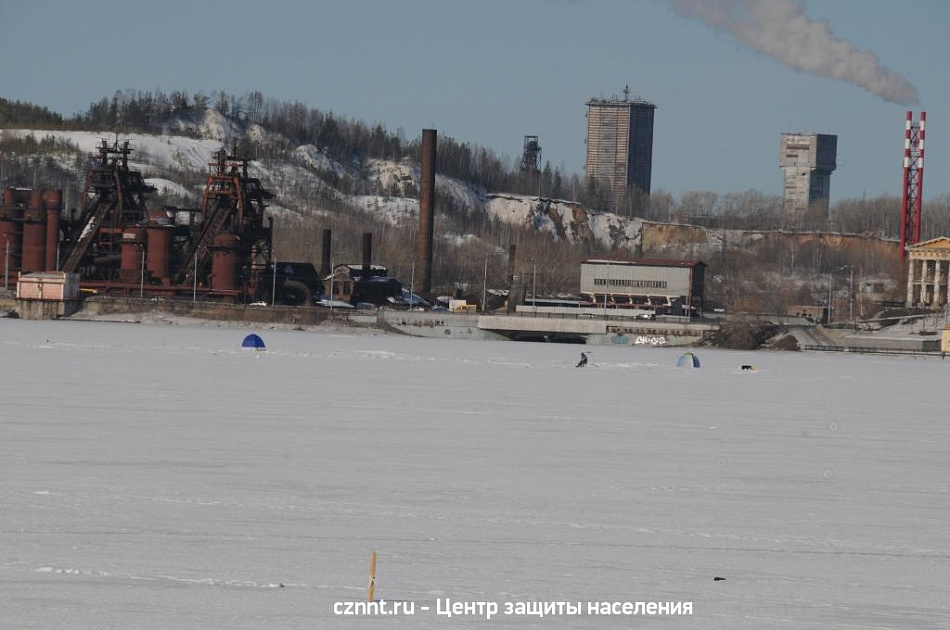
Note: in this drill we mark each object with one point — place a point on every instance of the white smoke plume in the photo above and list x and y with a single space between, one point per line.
781 30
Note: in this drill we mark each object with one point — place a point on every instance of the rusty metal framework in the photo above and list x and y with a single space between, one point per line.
233 203
113 198
221 249
531 157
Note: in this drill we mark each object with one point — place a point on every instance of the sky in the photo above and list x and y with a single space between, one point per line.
493 71
185 483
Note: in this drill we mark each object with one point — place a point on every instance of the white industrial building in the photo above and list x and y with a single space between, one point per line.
665 286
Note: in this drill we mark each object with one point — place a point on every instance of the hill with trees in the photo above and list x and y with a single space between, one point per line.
333 172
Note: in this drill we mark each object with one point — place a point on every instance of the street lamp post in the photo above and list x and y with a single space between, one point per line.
534 288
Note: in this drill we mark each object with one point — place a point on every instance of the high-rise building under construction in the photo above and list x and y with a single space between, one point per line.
620 145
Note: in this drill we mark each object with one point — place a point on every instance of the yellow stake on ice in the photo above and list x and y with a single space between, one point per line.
372 576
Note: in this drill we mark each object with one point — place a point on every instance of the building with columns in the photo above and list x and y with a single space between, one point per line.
928 269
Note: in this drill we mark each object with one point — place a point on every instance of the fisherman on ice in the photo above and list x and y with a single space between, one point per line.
583 360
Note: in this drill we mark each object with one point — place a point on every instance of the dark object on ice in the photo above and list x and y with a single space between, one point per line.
583 360
719 579
253 342
748 367
689 360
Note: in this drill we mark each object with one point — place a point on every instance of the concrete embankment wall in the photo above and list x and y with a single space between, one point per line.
440 325
213 311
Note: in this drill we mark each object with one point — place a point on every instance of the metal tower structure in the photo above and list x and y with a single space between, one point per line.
233 203
913 180
531 160
114 197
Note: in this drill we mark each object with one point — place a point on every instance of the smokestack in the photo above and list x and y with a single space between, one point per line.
325 260
367 254
426 210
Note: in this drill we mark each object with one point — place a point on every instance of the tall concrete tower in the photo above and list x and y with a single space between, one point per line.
808 161
620 145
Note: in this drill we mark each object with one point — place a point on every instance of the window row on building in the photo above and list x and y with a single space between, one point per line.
615 282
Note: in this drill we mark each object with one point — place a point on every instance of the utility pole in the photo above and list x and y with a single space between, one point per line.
6 264
412 284
831 280
851 299
534 288
142 276
485 285
273 282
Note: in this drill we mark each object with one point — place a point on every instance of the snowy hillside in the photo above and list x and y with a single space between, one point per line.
184 483
389 190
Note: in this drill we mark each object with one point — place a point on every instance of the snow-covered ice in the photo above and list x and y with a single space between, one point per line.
161 477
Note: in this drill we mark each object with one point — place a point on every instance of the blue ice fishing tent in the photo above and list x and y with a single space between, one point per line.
253 342
688 360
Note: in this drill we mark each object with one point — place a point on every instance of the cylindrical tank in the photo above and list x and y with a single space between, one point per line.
52 239
53 202
9 249
133 243
52 199
9 237
224 262
9 197
34 235
159 252
36 199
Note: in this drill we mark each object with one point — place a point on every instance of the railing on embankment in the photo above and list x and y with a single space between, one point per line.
874 350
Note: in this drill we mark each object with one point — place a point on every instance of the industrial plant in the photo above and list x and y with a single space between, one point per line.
116 245
119 243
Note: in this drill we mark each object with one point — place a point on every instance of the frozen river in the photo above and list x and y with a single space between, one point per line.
160 477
